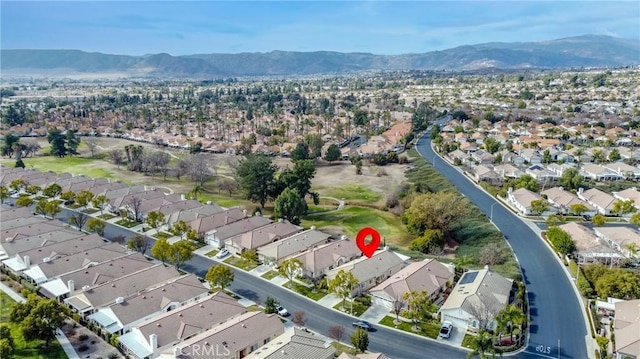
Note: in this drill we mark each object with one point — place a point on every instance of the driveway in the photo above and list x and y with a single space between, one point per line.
457 335
375 313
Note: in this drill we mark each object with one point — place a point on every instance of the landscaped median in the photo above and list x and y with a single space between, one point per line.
427 329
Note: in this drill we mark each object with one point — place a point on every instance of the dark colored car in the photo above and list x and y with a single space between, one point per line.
363 324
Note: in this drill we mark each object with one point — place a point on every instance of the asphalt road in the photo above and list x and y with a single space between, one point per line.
557 324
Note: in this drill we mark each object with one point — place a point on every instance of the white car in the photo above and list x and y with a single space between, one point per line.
223 253
282 311
446 329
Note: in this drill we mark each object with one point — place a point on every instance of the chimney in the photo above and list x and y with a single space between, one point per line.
183 197
244 211
71 286
153 341
27 261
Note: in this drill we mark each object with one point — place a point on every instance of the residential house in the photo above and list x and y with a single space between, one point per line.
531 156
192 214
457 154
118 289
599 173
318 260
12 247
234 339
559 168
258 237
628 172
620 238
541 174
294 244
483 157
148 339
207 223
119 317
370 271
521 199
295 343
428 275
508 171
627 329
602 201
346 355
484 173
510 157
629 194
70 283
218 236
476 300
17 233
589 248
563 200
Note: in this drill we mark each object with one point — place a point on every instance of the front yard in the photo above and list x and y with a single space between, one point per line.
127 223
310 292
360 305
241 263
427 329
270 275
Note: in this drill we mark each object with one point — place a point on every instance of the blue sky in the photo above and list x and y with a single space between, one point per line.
381 27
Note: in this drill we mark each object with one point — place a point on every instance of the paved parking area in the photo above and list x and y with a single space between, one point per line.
457 335
375 313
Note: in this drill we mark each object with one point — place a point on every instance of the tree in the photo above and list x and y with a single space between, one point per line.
24 201
116 156
4 194
314 142
290 205
511 316
623 207
398 305
598 220
578 208
614 155
299 318
93 146
228 185
96 225
135 205
52 190
270 305
482 344
336 332
180 228
299 178
417 305
155 219
561 240
554 220
546 156
18 184
19 163
491 254
290 268
72 142
8 142
333 153
181 252
199 169
84 197
52 209
7 345
431 241
33 189
539 206
140 243
162 250
635 219
256 175
78 220
301 152
68 196
58 142
39 318
618 283
526 181
343 285
220 276
100 201
490 144
441 211
360 340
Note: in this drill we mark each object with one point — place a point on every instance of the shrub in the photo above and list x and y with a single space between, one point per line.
83 348
113 355
83 337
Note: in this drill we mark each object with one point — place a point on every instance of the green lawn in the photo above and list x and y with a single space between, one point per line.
466 341
33 349
73 165
91 210
106 216
241 263
351 193
127 223
306 291
358 307
430 329
224 200
341 347
270 275
212 253
352 219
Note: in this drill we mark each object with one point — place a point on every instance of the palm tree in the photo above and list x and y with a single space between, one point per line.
482 344
511 316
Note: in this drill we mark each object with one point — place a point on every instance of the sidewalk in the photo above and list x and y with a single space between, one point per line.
375 313
62 339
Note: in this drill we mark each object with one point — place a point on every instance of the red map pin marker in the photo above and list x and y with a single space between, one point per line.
368 249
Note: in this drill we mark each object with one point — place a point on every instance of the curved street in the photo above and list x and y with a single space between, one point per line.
557 328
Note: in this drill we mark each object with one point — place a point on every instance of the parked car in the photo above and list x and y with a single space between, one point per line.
282 311
364 325
223 253
446 329
586 217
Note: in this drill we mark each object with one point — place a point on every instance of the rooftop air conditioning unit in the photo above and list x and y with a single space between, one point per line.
46 259
85 288
119 300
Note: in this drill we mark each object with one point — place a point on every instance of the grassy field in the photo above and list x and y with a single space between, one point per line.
73 165
351 193
353 219
33 349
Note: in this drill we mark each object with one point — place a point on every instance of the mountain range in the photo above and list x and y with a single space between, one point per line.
573 52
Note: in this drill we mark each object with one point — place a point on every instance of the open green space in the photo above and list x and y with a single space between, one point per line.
241 263
33 349
70 164
351 193
352 219
428 329
224 200
310 292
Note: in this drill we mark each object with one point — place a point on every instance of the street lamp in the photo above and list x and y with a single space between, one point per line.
491 215
434 160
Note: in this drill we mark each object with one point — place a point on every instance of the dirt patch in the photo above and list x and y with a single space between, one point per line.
86 343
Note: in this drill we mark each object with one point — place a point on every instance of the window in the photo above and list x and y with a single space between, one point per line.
266 340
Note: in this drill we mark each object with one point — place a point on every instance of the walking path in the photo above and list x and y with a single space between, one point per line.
62 339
